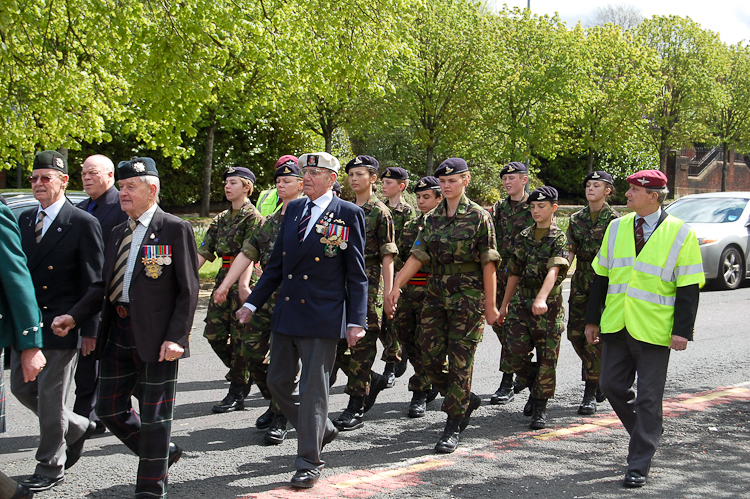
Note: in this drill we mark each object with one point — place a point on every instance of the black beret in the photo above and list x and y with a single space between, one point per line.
287 170
239 171
52 160
363 160
544 193
427 183
337 187
395 173
137 167
598 175
514 167
451 166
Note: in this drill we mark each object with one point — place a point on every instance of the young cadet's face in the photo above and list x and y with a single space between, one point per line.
543 211
597 190
428 200
514 183
453 186
234 190
288 188
361 179
392 187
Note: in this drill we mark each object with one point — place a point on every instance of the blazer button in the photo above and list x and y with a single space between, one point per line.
286 299
289 276
283 253
44 287
45 308
317 259
50 267
304 277
302 301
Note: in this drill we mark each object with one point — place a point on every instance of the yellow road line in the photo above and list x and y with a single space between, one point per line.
714 395
414 468
594 425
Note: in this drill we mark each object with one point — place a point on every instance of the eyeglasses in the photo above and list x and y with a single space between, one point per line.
45 179
313 172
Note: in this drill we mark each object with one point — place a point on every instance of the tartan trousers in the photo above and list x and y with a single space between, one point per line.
123 374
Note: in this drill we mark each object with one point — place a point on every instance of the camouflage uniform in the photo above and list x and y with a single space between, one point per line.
454 250
509 222
531 260
407 319
402 213
585 237
223 331
356 362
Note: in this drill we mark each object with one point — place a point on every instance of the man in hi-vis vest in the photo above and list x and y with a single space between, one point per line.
643 304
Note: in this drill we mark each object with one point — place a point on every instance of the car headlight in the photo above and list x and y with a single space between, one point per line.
707 240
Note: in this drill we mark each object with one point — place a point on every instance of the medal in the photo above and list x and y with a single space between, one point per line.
167 260
343 245
153 270
330 250
160 260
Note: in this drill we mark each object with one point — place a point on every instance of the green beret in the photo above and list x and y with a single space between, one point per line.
52 160
137 167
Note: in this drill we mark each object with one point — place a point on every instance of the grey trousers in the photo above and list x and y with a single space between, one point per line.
305 404
46 397
641 413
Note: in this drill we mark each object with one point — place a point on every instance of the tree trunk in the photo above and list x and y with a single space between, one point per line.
19 174
725 152
429 168
590 161
208 166
329 139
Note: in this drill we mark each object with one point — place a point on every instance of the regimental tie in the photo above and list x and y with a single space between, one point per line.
302 227
39 226
115 289
640 239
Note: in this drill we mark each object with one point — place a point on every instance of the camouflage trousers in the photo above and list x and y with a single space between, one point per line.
407 324
224 333
507 360
255 347
590 355
452 327
527 332
392 348
356 362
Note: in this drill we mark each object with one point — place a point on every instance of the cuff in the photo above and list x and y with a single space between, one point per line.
388 249
252 307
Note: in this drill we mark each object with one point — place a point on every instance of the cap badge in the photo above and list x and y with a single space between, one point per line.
421 183
59 162
287 170
357 161
139 167
541 196
448 169
312 160
596 175
511 168
643 180
388 173
231 169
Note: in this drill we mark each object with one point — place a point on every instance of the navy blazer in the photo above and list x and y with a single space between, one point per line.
107 211
319 294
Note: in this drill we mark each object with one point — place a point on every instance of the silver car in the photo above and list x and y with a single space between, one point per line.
720 221
19 202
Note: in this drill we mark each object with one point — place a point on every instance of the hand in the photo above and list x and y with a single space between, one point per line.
243 315
87 345
220 294
391 301
32 362
592 333
387 308
244 293
354 334
678 343
539 307
502 313
491 315
62 324
170 351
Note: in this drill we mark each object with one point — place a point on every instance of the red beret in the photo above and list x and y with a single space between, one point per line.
286 159
648 178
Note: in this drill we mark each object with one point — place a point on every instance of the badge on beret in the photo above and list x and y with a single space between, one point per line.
421 183
511 168
231 169
596 175
357 161
448 170
540 197
388 173
139 167
643 180
59 162
287 170
312 160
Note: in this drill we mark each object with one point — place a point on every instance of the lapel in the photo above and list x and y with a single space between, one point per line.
111 199
56 232
26 224
110 255
153 228
313 238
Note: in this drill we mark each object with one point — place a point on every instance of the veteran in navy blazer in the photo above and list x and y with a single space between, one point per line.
319 263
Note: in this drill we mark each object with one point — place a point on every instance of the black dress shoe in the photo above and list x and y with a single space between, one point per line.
327 439
474 402
634 480
389 373
504 393
377 384
353 416
22 493
100 428
264 420
449 439
175 453
75 450
418 405
277 431
305 479
38 483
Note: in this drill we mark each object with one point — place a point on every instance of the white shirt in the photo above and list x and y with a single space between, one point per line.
319 206
135 249
50 214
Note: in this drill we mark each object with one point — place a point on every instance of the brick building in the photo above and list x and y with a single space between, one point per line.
698 169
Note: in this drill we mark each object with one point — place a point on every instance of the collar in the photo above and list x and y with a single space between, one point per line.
52 210
323 201
145 219
652 219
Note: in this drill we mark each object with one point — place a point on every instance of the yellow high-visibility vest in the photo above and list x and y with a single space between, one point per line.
642 288
268 202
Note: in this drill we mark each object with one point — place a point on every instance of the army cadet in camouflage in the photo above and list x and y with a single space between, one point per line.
224 239
533 302
511 215
585 234
395 180
407 320
457 245
364 385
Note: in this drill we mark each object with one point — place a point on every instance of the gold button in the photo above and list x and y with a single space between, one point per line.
317 259
304 277
44 287
289 276
50 267
283 253
286 299
45 308
302 301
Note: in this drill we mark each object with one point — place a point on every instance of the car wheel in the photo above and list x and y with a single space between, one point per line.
731 269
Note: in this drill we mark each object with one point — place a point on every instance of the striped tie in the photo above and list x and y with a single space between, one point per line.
302 227
115 289
39 226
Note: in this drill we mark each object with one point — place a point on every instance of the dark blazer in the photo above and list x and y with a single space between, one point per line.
20 319
319 295
64 265
109 214
162 309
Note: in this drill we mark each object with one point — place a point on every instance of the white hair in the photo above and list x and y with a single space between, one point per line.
151 180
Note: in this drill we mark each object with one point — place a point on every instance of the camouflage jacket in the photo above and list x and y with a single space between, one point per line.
259 246
409 235
509 222
379 232
585 237
402 213
531 260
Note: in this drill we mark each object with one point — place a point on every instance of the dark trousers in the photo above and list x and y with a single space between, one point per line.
305 404
641 413
87 379
123 374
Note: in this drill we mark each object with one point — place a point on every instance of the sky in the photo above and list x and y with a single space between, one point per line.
729 18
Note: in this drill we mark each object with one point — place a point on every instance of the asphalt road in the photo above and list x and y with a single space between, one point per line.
704 451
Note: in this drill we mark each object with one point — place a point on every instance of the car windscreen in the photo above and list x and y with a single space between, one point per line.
708 210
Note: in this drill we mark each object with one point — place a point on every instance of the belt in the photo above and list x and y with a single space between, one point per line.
531 293
584 265
456 268
419 279
123 309
226 261
371 260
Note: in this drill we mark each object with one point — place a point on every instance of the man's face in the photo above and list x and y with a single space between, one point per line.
361 179
96 177
542 211
428 200
392 187
317 181
639 198
288 188
514 183
136 196
48 185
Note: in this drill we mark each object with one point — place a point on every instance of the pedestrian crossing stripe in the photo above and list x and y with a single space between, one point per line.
379 475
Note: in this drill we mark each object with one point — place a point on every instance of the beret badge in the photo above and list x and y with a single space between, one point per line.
511 168
139 167
287 170
312 160
59 162
596 175
448 169
541 196
643 180
388 173
421 183
357 161
231 169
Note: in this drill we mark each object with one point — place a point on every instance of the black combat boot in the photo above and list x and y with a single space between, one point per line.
528 409
474 402
600 397
332 376
264 420
389 373
234 401
277 431
352 417
539 415
504 393
588 404
418 405
449 440
402 364
377 384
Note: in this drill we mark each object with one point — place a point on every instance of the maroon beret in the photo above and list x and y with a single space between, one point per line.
653 179
286 160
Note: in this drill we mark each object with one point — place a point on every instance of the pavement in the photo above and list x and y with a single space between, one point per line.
704 451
